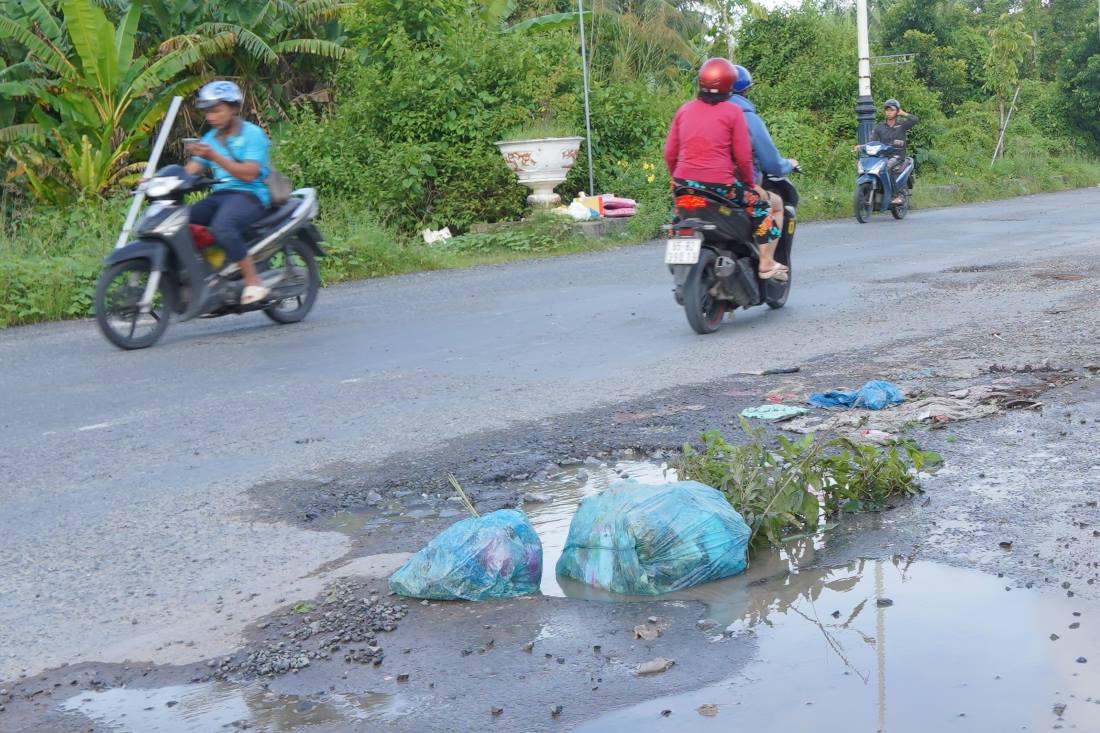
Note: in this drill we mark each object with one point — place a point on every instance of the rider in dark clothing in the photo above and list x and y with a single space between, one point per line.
895 132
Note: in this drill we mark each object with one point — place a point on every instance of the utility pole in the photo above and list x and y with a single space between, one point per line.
587 107
865 104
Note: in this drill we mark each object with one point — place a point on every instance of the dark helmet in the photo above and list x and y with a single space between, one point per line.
717 76
891 102
217 92
744 80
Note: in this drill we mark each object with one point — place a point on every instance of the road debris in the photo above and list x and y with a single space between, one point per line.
656 666
648 632
875 395
708 710
773 413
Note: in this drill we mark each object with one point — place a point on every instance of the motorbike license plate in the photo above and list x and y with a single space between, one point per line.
683 251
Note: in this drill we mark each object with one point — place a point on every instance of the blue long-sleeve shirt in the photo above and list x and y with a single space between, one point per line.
766 157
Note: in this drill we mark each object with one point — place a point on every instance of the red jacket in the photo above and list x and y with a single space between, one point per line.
706 141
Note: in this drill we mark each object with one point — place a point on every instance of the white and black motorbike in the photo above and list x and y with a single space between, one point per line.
713 259
174 269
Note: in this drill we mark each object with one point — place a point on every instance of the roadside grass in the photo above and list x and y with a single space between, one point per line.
50 257
788 489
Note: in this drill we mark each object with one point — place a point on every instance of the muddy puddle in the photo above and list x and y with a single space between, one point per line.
892 646
221 706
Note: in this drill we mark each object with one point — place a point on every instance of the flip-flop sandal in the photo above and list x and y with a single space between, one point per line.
254 294
779 272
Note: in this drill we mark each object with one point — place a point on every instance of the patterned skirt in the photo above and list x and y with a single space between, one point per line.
759 209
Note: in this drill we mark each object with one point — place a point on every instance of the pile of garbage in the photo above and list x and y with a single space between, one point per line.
589 208
647 540
498 555
632 538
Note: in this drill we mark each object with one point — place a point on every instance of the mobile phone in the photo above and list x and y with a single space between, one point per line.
190 141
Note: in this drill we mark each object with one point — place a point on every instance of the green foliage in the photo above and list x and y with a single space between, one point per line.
418 128
94 96
1079 86
546 233
790 488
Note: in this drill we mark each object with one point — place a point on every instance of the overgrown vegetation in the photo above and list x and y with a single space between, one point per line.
785 489
391 109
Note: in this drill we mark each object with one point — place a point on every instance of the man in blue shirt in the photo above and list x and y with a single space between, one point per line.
766 158
236 154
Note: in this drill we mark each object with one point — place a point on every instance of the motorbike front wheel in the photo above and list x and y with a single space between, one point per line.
863 205
704 312
118 310
293 309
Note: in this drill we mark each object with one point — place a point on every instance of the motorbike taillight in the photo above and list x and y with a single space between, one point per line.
685 232
690 202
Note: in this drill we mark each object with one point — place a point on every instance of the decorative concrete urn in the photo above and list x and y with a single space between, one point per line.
541 164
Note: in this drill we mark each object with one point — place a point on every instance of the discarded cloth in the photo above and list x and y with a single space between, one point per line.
645 540
773 413
497 555
874 395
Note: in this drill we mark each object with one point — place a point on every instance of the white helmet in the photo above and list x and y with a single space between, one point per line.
219 91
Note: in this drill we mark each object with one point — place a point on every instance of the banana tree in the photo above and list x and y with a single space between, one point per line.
270 36
95 98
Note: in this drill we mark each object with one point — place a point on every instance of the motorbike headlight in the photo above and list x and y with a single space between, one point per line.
161 186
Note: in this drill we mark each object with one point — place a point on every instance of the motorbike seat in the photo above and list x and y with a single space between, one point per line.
274 217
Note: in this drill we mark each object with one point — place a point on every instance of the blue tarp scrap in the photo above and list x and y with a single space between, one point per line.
875 395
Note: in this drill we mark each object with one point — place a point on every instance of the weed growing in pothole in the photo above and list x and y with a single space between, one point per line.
785 489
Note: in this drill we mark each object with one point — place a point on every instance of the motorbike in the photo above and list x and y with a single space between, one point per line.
174 269
713 259
875 191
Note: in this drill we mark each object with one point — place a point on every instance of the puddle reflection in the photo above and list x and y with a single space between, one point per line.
949 649
216 706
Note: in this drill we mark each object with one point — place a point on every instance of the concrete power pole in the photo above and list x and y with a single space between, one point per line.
865 104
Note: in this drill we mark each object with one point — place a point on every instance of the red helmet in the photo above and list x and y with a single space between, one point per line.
717 76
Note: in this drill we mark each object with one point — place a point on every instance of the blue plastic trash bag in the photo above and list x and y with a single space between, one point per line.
875 395
498 555
645 540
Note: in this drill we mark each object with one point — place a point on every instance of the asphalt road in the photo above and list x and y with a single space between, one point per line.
125 527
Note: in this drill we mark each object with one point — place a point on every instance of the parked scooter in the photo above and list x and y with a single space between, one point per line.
174 268
713 259
875 190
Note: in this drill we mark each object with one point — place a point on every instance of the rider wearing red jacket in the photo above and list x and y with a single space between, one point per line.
709 146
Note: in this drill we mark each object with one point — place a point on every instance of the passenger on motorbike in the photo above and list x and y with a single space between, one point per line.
236 153
895 132
708 146
766 158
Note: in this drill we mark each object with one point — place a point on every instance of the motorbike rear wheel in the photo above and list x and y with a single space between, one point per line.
862 202
704 312
900 210
294 309
118 313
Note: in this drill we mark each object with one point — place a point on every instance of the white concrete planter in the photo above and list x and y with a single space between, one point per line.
541 164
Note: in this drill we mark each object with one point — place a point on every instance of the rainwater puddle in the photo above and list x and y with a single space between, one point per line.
551 519
218 706
954 651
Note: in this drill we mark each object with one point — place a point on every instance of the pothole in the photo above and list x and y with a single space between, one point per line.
891 646
221 706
